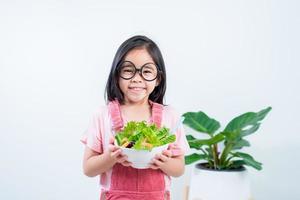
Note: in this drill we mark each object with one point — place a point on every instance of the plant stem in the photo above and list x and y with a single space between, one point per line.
225 152
211 161
215 155
226 162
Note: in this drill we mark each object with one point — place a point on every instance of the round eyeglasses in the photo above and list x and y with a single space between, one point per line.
148 71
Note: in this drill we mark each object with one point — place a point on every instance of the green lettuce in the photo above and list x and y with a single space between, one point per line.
141 136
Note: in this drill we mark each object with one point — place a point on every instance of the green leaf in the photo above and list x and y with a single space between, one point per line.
200 122
195 143
233 141
193 158
143 136
191 142
190 137
168 139
250 130
247 123
236 164
118 138
232 136
240 144
248 160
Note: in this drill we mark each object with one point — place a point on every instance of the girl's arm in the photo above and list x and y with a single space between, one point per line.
95 163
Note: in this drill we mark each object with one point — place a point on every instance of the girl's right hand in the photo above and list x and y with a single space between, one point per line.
115 153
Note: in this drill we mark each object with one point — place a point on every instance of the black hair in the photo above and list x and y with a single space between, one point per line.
113 91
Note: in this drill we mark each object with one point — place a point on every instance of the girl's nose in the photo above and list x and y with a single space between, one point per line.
137 77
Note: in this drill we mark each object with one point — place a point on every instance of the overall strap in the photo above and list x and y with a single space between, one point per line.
115 114
116 117
157 110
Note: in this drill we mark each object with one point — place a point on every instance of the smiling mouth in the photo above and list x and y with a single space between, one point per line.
136 88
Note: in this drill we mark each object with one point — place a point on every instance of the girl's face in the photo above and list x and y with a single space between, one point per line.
137 89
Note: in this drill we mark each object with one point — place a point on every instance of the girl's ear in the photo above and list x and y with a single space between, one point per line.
157 82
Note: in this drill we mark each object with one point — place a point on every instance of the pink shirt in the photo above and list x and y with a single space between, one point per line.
100 130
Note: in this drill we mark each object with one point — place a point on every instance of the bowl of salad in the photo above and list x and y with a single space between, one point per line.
140 142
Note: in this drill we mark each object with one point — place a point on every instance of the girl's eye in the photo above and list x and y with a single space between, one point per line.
147 71
127 70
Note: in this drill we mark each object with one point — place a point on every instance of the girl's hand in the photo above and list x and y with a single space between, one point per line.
176 150
115 153
161 159
170 161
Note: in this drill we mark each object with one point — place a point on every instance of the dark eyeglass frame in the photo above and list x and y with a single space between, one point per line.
138 70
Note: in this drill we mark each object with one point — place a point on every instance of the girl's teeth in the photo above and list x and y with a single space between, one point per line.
136 88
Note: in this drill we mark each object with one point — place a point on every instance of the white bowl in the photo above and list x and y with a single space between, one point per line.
141 159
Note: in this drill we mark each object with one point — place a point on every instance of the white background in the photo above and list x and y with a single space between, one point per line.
222 57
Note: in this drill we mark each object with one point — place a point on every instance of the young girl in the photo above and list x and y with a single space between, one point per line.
135 91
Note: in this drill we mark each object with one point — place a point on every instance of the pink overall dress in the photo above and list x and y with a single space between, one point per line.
128 183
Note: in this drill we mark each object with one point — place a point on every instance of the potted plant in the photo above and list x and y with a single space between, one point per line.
222 173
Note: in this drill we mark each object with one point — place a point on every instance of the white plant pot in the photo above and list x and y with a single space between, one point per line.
219 185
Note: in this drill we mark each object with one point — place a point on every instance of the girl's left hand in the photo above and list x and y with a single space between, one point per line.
161 159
